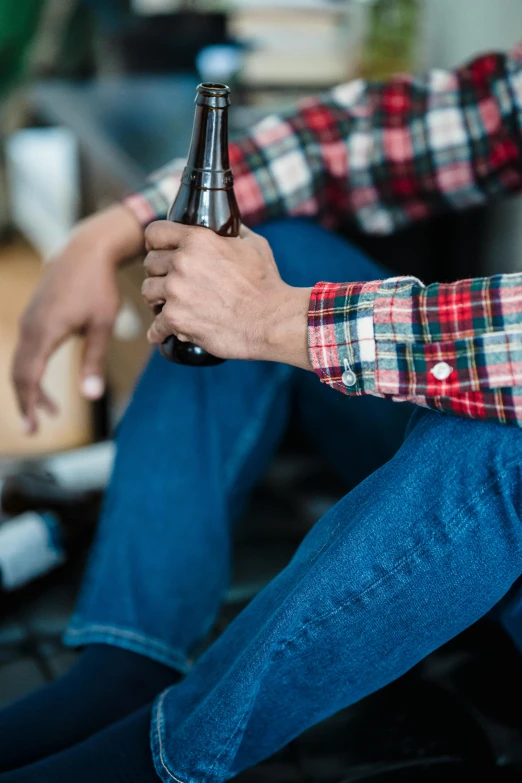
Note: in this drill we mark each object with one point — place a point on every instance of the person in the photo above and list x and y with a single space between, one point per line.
428 539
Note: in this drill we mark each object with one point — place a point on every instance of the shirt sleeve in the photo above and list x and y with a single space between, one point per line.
381 154
400 339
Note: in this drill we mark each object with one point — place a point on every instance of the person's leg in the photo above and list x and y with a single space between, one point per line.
369 430
412 556
190 447
356 435
119 754
191 444
508 613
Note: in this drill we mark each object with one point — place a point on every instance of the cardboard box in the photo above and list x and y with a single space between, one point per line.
20 269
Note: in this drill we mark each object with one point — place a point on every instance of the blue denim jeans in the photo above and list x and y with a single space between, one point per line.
427 541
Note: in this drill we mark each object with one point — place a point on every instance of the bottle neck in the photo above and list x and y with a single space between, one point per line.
208 163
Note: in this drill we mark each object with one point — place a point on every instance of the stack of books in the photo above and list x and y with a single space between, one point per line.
298 43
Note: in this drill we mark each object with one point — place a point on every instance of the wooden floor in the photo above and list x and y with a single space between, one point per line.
20 269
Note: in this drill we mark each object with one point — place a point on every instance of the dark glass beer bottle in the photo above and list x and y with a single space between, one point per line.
206 194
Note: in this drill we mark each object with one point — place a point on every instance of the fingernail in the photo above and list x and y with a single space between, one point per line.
92 387
26 425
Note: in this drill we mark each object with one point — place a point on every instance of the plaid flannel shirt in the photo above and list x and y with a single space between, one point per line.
386 155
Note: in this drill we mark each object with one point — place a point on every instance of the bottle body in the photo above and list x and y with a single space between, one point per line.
206 195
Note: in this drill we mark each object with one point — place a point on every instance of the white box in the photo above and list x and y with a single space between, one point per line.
44 185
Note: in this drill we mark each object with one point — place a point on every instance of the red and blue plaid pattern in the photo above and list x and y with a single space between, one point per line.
387 155
393 334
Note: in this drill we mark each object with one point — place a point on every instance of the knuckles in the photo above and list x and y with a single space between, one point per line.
163 235
264 244
27 327
155 234
32 330
145 288
172 288
22 375
183 263
173 318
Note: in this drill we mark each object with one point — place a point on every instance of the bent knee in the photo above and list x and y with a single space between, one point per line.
305 253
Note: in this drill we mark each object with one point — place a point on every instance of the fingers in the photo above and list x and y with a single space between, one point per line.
37 400
164 235
159 330
29 365
153 291
47 404
156 262
96 343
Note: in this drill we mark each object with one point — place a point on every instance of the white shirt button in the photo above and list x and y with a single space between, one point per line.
441 371
349 378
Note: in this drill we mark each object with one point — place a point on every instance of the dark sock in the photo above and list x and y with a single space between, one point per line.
106 685
120 754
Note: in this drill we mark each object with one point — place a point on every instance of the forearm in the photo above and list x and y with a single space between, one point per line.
383 155
114 234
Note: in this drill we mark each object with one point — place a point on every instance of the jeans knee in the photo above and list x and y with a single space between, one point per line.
305 252
278 231
460 439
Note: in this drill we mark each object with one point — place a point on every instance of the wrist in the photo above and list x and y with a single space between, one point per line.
114 235
286 338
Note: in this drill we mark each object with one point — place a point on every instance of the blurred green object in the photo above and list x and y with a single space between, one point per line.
18 24
392 40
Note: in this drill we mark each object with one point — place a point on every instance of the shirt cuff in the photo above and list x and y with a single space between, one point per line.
144 206
341 335
153 201
384 338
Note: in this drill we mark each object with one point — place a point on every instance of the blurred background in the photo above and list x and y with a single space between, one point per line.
94 95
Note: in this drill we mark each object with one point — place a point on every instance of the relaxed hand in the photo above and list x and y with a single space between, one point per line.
76 295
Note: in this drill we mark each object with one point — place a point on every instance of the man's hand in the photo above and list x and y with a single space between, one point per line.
77 294
223 294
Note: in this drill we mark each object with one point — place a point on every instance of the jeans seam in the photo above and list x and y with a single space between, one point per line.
235 732
422 424
334 531
421 547
406 559
159 727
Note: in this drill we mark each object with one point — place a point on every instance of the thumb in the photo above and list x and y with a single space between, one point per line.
96 344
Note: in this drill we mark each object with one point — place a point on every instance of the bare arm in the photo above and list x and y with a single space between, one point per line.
77 294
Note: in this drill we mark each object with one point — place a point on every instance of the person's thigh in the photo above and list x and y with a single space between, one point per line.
191 445
355 434
415 554
306 253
